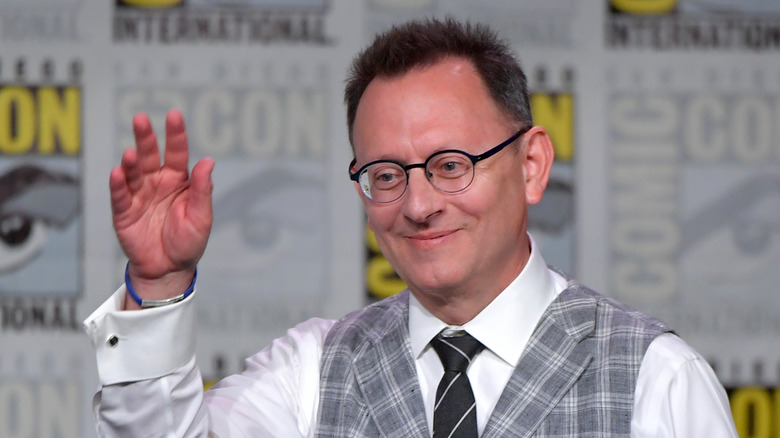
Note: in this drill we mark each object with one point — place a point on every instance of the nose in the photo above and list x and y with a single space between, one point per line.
421 200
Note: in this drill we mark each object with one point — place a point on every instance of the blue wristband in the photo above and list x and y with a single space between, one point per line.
156 303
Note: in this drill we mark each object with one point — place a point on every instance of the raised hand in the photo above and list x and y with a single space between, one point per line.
162 215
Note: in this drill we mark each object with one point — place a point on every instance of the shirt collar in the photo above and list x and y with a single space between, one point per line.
507 323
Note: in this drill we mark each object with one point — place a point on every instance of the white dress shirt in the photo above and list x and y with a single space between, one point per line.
677 393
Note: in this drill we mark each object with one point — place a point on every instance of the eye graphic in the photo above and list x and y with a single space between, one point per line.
749 211
731 243
21 240
261 228
752 236
32 200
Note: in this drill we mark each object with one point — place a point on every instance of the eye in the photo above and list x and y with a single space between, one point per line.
33 201
450 165
269 223
15 229
21 240
385 176
259 211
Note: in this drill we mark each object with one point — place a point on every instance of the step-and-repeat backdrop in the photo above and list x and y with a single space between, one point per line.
665 193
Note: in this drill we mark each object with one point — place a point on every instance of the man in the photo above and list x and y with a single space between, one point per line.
446 163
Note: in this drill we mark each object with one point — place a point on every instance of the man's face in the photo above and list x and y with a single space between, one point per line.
445 245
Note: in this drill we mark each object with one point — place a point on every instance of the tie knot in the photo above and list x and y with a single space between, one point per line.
457 351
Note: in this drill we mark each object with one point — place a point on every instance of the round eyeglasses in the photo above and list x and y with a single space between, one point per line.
449 171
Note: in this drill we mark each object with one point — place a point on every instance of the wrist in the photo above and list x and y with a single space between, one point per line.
157 293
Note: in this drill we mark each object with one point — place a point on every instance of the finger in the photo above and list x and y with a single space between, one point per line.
121 199
201 188
146 144
132 170
176 149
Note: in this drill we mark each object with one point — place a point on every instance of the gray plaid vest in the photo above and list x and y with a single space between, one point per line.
576 377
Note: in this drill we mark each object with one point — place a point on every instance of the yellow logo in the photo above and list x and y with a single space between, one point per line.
152 3
42 120
644 6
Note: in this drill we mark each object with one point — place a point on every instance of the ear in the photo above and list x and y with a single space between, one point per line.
539 157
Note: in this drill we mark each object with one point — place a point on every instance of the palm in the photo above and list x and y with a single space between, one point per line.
162 216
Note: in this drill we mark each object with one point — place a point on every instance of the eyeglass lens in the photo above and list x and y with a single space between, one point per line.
387 181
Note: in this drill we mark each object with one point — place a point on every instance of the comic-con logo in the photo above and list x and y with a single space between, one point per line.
40 229
221 21
693 24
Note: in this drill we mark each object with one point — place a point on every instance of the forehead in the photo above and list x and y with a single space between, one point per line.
435 107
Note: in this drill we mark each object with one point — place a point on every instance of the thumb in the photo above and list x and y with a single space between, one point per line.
201 186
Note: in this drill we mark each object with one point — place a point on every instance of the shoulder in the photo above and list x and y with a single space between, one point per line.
372 322
678 393
670 353
587 308
613 332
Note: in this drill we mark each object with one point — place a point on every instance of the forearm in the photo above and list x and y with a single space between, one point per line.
150 385
170 405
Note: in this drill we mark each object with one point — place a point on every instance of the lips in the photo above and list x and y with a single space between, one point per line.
430 236
428 239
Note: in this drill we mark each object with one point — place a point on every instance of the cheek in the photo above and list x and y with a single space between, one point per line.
502 207
380 217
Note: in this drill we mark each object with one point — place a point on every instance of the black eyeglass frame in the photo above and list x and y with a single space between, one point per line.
474 160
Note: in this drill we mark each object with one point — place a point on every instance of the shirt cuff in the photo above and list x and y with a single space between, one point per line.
133 345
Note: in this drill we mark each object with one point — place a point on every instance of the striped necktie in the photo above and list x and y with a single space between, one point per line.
455 414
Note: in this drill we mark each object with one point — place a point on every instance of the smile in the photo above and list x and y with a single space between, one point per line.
433 237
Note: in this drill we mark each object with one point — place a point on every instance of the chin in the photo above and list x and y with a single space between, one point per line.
434 281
